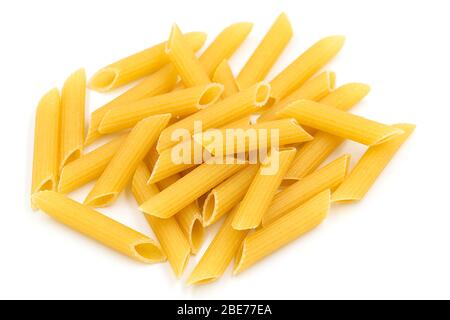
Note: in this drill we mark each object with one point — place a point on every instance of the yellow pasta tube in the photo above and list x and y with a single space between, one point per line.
224 45
46 143
289 227
306 65
253 137
178 103
72 117
187 189
340 123
328 177
223 112
266 54
98 227
219 254
168 232
224 75
138 65
183 58
227 195
124 163
314 89
160 82
88 167
311 154
261 191
369 167
189 218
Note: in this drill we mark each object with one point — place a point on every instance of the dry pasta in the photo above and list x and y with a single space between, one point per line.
88 167
328 177
277 234
369 167
168 232
224 75
72 117
267 53
179 103
138 65
98 227
261 191
122 166
340 123
46 143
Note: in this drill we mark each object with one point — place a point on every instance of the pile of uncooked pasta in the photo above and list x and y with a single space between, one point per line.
169 142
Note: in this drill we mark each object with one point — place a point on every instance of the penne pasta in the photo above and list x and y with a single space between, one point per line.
219 254
253 137
187 189
168 232
277 234
224 75
311 154
266 54
261 191
189 218
340 123
225 111
138 65
183 58
369 167
125 161
88 167
305 66
314 89
72 117
160 82
224 45
46 143
227 195
98 227
328 177
179 103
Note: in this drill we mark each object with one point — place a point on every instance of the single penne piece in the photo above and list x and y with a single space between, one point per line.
227 195
138 65
253 137
125 161
167 231
88 167
160 82
98 227
189 218
183 58
262 190
46 143
187 189
289 227
306 65
314 89
266 54
219 254
224 75
328 177
223 112
224 45
339 123
179 103
369 167
72 117
311 154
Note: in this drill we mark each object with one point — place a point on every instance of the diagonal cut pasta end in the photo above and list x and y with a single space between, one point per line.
104 79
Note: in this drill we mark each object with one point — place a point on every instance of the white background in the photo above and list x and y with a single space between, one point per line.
394 244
